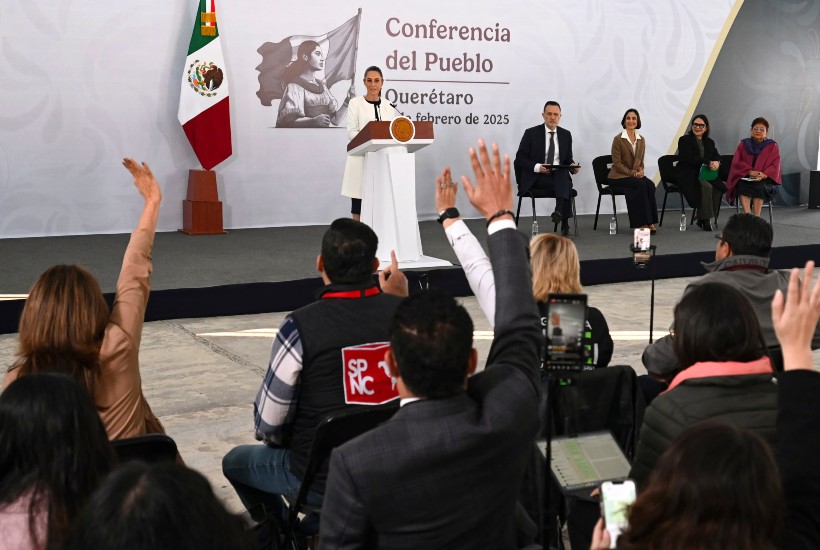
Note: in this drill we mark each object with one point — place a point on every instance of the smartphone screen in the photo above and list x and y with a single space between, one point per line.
564 327
615 501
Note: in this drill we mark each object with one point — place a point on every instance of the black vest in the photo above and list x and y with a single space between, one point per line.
345 315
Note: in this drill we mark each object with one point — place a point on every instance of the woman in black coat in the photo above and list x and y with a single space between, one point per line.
695 149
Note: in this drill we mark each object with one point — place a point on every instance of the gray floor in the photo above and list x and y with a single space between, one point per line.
201 375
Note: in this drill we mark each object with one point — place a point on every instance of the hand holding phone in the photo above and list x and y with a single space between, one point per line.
615 501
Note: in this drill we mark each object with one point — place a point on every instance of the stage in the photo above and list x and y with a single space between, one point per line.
274 269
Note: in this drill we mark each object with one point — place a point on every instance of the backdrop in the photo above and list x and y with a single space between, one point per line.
87 82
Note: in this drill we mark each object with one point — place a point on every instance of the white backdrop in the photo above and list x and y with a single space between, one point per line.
87 82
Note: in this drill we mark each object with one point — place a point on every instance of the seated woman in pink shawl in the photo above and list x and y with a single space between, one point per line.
755 169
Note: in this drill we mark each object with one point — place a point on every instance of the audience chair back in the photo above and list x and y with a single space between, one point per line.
666 165
600 399
150 448
335 429
600 169
543 194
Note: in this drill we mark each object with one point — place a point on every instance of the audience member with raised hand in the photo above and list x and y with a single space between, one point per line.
163 506
556 268
66 325
53 454
718 485
446 470
795 319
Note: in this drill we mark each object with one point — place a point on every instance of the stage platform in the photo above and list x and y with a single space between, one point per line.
274 269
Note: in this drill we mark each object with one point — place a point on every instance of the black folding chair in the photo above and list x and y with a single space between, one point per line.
334 430
150 448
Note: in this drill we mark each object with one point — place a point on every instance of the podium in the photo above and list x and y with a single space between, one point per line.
389 190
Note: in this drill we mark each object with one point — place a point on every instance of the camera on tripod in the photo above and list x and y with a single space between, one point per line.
641 253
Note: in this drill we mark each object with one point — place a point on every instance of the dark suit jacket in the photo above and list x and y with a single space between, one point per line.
689 162
532 151
446 473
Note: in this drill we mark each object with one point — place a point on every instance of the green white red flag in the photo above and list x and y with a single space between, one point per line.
203 101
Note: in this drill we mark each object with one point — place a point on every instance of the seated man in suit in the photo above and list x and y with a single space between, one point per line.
445 471
304 378
541 147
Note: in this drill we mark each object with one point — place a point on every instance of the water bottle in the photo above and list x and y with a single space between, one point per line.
613 226
683 222
534 226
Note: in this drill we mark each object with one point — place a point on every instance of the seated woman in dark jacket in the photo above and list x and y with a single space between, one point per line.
696 149
729 375
718 486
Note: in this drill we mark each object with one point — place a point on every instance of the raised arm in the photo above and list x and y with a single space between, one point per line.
517 329
471 256
133 284
798 414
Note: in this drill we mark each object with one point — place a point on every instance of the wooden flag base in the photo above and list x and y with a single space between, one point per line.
202 209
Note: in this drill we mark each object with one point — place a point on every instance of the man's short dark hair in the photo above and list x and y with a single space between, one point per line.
748 235
551 102
431 337
348 250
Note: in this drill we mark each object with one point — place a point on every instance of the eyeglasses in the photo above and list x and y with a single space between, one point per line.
759 129
720 238
698 125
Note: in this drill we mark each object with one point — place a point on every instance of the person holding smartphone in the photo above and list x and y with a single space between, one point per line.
719 486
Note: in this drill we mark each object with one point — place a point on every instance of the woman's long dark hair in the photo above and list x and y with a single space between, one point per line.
160 506
716 486
715 322
53 449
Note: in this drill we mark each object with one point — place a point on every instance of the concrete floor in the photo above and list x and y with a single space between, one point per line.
201 375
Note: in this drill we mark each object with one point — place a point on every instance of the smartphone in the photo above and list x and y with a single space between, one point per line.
564 326
616 497
641 238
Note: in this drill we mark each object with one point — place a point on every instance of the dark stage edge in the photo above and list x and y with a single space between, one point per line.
265 270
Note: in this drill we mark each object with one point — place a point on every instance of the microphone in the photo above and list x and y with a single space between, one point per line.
402 114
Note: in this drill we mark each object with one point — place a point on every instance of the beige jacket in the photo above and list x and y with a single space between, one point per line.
624 162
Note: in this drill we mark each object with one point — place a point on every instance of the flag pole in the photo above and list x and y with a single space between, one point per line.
356 50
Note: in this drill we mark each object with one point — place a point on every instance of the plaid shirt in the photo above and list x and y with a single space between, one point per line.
275 404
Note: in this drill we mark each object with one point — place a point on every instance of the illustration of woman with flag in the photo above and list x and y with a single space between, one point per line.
307 101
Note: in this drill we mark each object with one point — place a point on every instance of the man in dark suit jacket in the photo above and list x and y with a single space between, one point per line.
541 147
446 470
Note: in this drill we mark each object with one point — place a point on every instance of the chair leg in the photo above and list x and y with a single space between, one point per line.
663 208
518 212
574 216
694 213
614 213
770 212
597 209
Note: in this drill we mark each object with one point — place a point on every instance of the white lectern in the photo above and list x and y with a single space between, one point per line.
389 192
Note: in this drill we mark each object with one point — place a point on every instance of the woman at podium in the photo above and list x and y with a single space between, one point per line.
362 110
306 101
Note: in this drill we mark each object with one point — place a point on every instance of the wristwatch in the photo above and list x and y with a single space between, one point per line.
447 214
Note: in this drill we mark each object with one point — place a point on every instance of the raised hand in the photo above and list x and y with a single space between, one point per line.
795 320
492 191
393 281
144 180
446 191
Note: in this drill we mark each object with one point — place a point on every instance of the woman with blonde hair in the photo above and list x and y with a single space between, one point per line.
66 326
556 269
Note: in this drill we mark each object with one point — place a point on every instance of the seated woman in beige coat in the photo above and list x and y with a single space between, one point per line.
66 326
627 173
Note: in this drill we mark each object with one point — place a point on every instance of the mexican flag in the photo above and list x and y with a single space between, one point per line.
203 100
